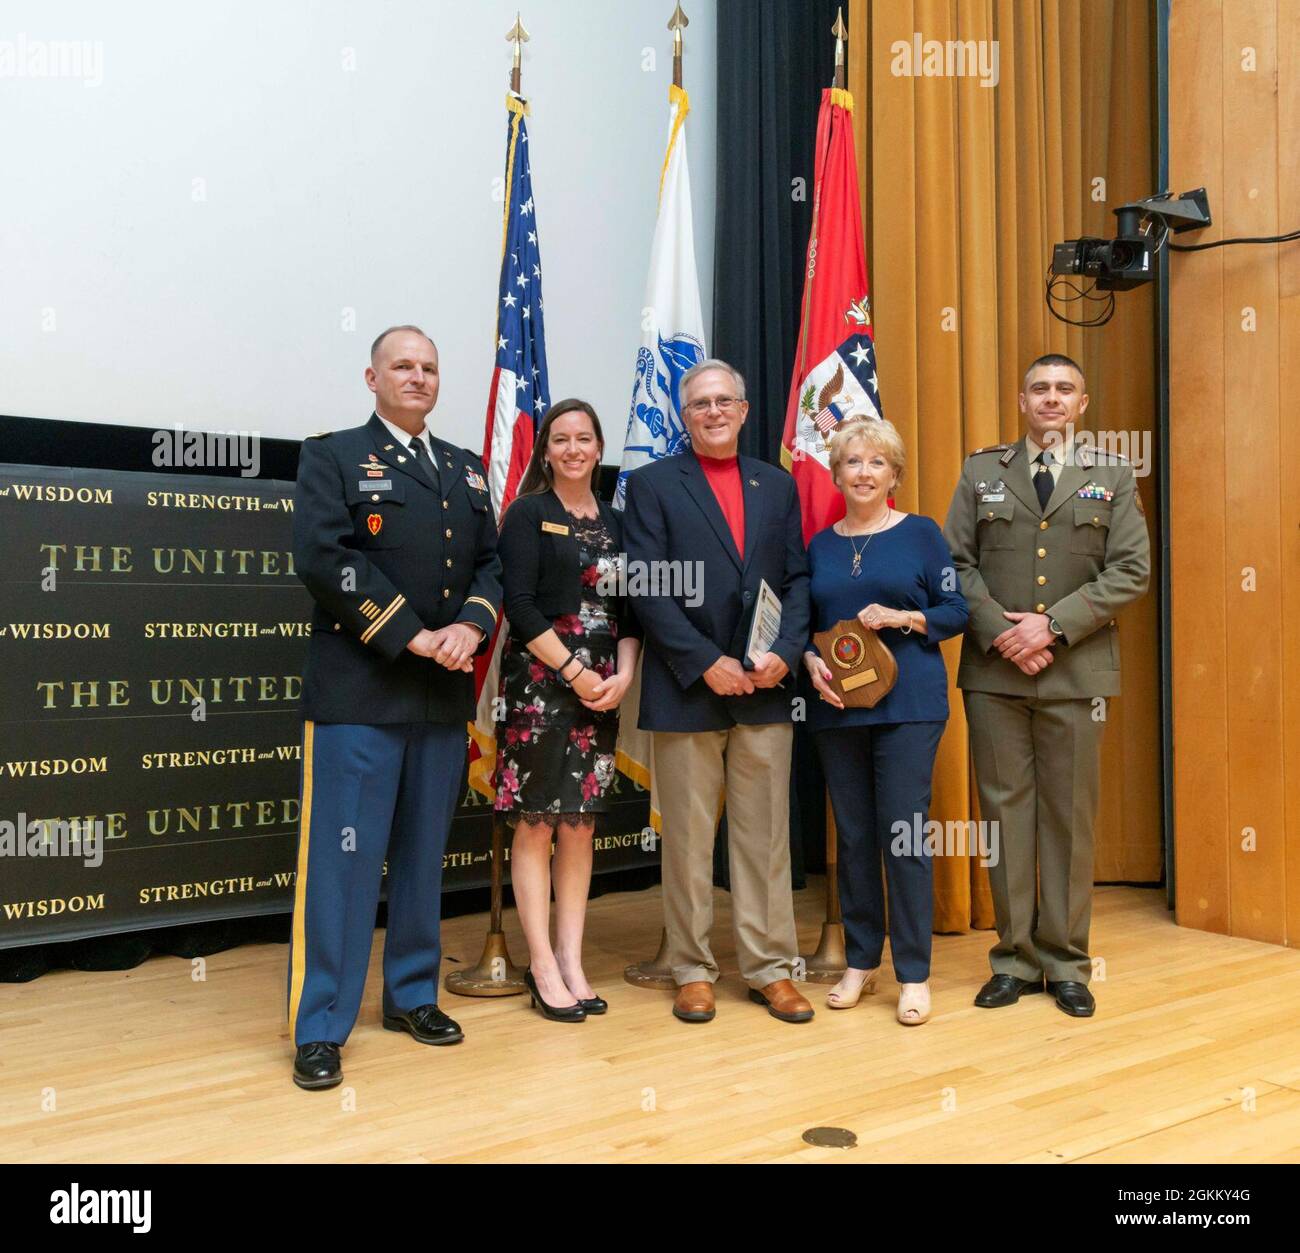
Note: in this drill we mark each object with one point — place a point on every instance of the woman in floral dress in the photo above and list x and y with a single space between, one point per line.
566 664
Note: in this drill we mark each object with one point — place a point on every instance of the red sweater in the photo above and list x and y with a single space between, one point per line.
723 474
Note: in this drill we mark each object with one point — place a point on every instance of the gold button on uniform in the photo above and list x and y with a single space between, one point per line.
1040 607
990 513
1042 578
1096 521
447 532
375 499
446 504
448 563
1042 526
446 592
1042 552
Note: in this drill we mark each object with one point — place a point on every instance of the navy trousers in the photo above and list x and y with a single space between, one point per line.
878 776
369 793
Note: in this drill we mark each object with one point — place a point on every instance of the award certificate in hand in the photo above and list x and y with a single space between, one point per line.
765 630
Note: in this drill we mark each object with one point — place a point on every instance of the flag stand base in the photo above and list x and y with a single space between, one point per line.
655 973
828 963
495 974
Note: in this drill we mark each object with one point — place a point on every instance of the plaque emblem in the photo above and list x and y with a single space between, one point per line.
375 523
847 651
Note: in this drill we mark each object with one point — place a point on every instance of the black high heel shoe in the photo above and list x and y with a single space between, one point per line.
594 1005
562 1013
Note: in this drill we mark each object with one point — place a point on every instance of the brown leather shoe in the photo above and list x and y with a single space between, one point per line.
783 1001
694 1002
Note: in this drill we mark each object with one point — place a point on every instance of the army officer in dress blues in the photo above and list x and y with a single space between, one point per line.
395 539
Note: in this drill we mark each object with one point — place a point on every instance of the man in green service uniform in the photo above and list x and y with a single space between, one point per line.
1050 542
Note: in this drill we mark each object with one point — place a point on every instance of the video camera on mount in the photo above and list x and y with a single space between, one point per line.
1128 260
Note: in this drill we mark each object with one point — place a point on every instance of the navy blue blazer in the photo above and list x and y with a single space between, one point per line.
673 516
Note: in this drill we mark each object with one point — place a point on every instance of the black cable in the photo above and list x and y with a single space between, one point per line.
1102 316
1244 239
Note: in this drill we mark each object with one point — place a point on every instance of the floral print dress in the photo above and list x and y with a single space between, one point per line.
555 757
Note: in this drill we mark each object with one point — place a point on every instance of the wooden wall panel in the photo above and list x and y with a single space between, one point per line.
1253 664
1235 512
1197 483
1288 199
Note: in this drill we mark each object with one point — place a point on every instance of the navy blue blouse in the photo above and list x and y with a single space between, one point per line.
906 567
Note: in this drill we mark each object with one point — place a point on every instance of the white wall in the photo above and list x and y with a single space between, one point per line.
126 299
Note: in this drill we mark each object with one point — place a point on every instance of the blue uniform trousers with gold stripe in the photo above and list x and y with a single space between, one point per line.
369 792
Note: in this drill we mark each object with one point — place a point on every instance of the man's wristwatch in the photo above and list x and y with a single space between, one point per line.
1056 629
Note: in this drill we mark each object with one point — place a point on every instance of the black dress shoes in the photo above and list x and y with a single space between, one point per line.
317 1065
1005 990
594 1004
1074 998
428 1024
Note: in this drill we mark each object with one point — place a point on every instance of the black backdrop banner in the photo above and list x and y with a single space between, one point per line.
773 63
152 636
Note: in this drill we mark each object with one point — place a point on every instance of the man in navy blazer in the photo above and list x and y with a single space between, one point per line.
722 723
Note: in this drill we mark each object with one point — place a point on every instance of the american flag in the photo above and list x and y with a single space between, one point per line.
520 391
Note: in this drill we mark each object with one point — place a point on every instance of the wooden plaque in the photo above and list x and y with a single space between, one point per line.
863 670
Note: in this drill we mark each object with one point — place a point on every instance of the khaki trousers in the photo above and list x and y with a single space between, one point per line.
752 766
1038 766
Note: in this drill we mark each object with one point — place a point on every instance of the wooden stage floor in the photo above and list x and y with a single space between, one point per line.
1194 1056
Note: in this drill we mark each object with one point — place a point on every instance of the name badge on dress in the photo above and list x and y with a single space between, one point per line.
379 485
554 528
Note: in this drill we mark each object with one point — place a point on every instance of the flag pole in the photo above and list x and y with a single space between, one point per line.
841 33
829 962
678 23
495 974
518 36
657 973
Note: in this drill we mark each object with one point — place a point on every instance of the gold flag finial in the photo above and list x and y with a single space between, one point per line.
517 36
839 30
678 23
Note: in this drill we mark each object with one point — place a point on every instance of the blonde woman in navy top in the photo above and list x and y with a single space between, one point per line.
893 572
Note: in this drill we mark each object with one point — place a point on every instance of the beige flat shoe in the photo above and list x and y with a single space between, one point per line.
913 1004
839 1000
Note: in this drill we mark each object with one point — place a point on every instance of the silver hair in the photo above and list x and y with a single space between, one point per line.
714 364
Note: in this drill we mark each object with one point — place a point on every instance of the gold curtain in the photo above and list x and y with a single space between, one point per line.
965 189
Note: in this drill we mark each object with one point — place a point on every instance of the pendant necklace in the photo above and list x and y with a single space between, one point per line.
856 570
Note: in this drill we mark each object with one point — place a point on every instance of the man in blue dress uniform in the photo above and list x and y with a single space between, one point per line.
395 538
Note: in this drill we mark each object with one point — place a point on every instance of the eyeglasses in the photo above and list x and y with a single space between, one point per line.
725 404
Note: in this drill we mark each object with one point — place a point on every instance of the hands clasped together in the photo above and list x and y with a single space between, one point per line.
452 646
727 677
1028 643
